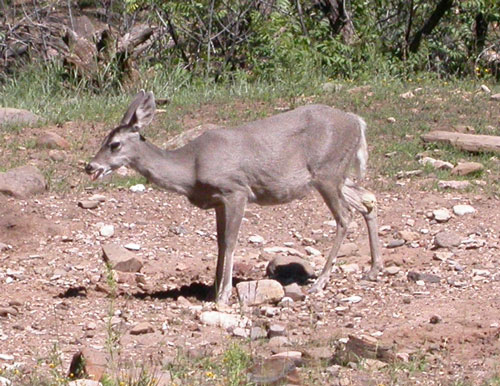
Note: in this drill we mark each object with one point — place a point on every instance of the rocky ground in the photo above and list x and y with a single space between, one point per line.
434 310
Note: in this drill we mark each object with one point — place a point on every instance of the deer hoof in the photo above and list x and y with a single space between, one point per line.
318 285
371 275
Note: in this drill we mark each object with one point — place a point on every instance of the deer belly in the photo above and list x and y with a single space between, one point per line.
278 194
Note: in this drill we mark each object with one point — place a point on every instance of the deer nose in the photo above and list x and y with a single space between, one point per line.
89 168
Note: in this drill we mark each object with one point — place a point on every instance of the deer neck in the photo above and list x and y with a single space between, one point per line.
171 170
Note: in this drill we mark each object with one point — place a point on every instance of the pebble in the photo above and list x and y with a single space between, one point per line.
107 230
392 270
6 357
312 251
352 299
395 243
139 188
461 210
276 330
457 185
256 239
441 215
446 239
88 204
132 246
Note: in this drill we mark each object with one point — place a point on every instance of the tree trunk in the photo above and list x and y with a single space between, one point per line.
340 21
481 30
431 23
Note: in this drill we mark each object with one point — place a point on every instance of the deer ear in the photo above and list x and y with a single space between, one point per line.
141 111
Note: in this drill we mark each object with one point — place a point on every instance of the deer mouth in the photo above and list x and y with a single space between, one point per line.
99 173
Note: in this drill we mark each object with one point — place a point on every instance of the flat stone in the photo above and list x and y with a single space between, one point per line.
256 239
312 251
22 182
257 292
425 277
284 250
466 168
352 299
139 188
120 259
392 270
142 328
88 204
461 210
52 140
446 239
241 332
408 236
132 247
223 320
395 243
456 185
276 330
12 116
441 215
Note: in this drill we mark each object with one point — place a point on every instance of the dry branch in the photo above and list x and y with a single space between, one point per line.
469 142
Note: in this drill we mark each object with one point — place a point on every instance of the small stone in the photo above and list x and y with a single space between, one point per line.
88 204
285 250
52 140
441 215
276 330
424 277
132 246
97 197
294 291
107 230
446 239
407 95
485 89
392 270
456 185
256 239
286 302
408 236
349 268
312 251
348 249
241 332
435 319
142 328
120 259
461 210
139 188
4 247
395 243
391 119
442 256
223 320
495 97
466 168
352 299
6 357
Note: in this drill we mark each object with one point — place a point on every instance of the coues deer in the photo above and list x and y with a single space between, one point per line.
270 161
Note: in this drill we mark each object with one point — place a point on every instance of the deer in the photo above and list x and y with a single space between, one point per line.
270 161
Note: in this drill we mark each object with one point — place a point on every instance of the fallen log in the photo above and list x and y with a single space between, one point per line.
469 142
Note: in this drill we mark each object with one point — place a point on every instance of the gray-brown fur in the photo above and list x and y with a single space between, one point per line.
270 161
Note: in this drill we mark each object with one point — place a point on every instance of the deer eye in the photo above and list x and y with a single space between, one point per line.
114 146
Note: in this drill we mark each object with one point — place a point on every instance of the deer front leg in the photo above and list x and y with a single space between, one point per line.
228 217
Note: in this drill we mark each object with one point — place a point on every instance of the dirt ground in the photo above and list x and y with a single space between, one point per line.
54 280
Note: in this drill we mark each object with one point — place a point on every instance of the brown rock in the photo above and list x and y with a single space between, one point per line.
121 259
52 140
88 363
466 168
142 328
294 291
22 182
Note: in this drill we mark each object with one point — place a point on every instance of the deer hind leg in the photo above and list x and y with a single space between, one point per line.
365 202
228 217
332 195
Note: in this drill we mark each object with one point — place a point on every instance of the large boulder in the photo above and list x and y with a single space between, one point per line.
22 182
11 116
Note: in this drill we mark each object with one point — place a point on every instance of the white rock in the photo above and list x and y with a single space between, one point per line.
132 246
312 251
6 357
139 188
97 197
284 250
224 320
351 299
391 119
256 239
485 89
461 210
107 230
441 215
